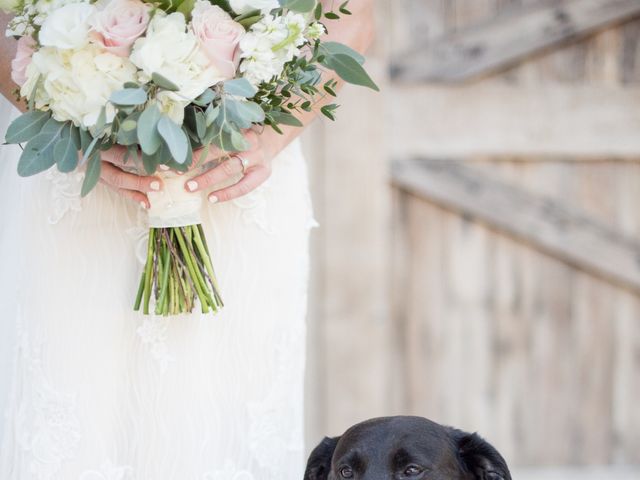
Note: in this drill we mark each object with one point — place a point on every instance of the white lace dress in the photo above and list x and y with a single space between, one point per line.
94 391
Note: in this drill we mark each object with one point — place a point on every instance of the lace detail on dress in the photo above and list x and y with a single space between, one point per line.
47 428
273 437
229 472
254 206
153 333
108 471
65 193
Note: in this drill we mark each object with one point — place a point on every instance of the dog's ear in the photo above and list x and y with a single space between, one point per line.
319 464
480 459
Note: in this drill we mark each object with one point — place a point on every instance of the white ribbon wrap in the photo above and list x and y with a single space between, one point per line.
173 206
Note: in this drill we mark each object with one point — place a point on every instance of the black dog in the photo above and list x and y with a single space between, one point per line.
405 448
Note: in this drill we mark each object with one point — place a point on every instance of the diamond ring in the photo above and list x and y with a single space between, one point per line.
243 161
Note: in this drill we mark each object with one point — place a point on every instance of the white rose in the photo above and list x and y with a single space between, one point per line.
78 83
67 27
173 52
244 6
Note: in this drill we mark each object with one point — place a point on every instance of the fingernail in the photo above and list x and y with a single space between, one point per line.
164 167
155 185
192 185
213 199
143 205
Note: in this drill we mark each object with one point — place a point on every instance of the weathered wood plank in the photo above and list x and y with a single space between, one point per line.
549 225
508 38
490 118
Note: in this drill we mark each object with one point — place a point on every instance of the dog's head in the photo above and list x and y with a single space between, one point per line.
405 448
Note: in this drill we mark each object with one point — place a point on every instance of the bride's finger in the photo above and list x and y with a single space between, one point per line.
134 195
117 178
115 155
225 171
254 177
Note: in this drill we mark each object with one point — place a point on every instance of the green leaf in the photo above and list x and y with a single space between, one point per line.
205 98
318 11
332 16
343 8
90 150
148 135
328 110
175 138
243 113
186 7
302 6
350 70
150 162
201 125
38 154
240 87
211 114
249 21
238 141
74 133
286 119
163 82
66 154
128 97
26 126
334 48
92 174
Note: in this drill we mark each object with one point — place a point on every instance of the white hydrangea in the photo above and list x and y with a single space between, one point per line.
76 84
172 51
271 42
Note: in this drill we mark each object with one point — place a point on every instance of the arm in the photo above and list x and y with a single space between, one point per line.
7 52
355 30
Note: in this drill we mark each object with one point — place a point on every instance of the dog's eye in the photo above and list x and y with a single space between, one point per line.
412 470
346 472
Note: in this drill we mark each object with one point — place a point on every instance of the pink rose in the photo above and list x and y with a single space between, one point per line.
26 47
118 24
218 35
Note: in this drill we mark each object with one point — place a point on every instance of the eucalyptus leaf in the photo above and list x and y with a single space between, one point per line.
129 97
150 163
66 154
205 98
201 126
240 87
174 137
350 70
92 174
148 134
26 126
52 126
302 6
285 119
74 133
163 82
238 141
211 114
90 150
37 155
244 113
334 48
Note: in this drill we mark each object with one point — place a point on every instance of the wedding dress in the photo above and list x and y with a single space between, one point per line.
95 391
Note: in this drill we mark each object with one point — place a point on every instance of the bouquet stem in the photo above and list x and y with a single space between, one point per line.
177 271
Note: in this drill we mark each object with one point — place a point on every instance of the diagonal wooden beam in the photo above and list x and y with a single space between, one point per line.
564 232
509 38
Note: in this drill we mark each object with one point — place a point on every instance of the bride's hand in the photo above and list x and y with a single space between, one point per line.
257 171
129 185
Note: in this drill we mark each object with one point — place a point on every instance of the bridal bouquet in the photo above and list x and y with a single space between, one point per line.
163 78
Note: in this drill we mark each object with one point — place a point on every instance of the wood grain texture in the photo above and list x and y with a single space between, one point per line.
549 225
508 38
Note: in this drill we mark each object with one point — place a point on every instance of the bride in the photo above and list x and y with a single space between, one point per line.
94 391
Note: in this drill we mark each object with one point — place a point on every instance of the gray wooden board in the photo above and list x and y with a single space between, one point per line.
559 229
507 38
